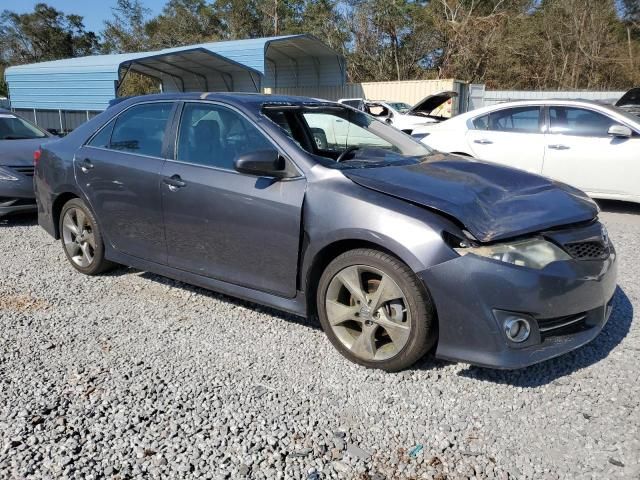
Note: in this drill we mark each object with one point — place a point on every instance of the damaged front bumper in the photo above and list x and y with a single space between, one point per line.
566 304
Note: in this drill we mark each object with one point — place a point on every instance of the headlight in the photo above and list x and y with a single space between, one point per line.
6 175
532 253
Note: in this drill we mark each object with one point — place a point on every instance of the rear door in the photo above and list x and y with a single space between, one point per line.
223 224
118 170
580 152
509 136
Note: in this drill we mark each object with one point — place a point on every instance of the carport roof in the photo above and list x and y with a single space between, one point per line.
102 63
228 56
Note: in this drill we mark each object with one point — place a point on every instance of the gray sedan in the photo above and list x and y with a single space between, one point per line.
19 139
319 209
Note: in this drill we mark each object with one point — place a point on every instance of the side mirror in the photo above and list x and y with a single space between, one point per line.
262 163
620 131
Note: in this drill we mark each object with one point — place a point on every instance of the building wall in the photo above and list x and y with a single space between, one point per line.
67 91
491 97
410 92
63 121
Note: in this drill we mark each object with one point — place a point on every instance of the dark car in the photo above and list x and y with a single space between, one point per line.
630 101
19 139
395 247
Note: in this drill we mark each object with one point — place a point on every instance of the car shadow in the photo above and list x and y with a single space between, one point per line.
617 206
546 372
289 317
19 220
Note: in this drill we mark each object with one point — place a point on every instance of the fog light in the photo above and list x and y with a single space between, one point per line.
517 329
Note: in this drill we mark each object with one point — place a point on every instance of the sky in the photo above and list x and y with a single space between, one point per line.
95 12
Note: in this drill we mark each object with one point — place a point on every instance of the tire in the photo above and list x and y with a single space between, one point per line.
400 326
84 246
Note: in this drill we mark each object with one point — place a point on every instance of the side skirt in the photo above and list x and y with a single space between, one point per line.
296 305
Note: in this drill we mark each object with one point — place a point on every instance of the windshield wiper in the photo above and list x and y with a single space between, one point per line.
16 137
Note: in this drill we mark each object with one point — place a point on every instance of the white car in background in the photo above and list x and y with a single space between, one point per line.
592 146
404 116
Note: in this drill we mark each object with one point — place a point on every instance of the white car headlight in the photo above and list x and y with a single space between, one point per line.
532 253
7 176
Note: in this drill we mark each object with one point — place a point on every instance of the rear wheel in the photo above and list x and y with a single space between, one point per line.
81 238
375 311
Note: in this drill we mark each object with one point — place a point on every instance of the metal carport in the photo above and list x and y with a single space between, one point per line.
63 93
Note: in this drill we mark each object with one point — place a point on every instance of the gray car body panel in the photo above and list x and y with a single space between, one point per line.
325 207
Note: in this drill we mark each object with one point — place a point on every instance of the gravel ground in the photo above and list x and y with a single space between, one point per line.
134 375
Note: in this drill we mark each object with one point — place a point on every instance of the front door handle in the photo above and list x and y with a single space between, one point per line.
86 165
174 182
559 146
483 141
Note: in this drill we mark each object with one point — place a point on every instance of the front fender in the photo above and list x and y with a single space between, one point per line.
338 210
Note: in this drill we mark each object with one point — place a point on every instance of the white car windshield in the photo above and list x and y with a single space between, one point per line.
337 135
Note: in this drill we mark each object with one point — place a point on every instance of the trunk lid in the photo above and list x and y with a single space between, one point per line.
19 153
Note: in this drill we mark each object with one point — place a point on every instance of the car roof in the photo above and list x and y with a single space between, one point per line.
541 102
251 100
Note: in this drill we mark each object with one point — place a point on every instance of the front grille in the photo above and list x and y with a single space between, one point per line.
591 250
27 171
566 325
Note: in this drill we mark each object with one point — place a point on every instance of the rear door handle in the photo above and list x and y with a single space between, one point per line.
559 146
483 141
86 165
174 182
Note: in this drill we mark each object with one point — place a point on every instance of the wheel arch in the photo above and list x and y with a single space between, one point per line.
56 209
325 255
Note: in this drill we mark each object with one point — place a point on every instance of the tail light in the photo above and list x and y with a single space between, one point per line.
36 157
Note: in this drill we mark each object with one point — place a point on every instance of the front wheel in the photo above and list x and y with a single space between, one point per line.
375 311
81 238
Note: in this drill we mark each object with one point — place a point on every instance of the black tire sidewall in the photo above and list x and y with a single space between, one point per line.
99 263
423 323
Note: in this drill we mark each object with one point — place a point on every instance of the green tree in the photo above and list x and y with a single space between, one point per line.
126 31
184 22
44 34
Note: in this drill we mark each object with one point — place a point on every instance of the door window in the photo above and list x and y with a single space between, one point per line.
141 129
214 136
519 119
103 137
579 121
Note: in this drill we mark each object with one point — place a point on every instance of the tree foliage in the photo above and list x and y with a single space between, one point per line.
524 44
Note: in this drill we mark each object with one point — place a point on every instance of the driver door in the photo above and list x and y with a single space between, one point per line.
223 224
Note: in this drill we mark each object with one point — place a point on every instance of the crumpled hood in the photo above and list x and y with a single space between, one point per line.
18 153
492 202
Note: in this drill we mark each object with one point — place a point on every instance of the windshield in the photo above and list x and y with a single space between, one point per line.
623 113
15 128
340 137
400 106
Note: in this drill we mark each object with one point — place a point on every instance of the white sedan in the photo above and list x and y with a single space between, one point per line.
592 146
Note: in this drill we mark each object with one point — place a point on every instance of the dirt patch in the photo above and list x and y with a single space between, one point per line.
21 303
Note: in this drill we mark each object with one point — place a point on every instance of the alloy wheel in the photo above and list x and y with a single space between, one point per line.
368 312
79 239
